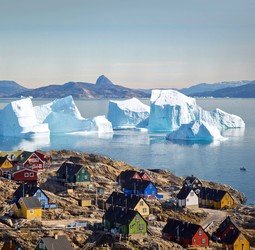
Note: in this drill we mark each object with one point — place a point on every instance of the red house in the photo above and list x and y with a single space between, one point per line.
25 175
128 175
30 160
185 233
44 156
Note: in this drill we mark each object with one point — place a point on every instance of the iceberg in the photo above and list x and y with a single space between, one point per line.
222 120
63 116
196 131
128 114
170 109
18 119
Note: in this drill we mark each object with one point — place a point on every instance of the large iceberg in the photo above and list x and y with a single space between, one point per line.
128 114
170 109
18 119
62 116
195 131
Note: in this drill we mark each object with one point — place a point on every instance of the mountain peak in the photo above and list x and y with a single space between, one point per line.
104 81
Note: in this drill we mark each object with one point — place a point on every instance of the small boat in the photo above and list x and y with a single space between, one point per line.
243 169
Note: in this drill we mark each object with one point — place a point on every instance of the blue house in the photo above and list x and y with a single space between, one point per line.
31 190
142 188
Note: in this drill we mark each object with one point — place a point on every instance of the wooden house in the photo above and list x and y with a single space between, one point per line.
70 172
187 198
32 190
215 198
44 156
231 236
142 188
30 160
127 222
28 207
128 175
24 175
5 163
185 233
128 201
6 167
58 242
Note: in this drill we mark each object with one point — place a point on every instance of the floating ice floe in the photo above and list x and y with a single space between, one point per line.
196 131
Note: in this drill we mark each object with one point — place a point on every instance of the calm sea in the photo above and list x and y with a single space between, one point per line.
220 161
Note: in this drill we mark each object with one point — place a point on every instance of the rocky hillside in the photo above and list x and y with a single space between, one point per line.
104 172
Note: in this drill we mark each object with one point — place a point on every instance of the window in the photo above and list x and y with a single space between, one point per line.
191 193
31 211
31 174
203 241
144 210
141 227
26 174
141 203
200 232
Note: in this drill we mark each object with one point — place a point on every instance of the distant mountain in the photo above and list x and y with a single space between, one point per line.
206 87
8 88
103 88
244 91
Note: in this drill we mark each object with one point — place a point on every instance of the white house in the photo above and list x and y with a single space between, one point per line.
187 198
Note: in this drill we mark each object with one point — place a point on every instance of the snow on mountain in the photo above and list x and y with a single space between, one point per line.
129 113
18 119
208 87
196 131
170 109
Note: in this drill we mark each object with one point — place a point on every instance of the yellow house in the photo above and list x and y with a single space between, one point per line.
236 242
29 208
225 201
5 163
215 198
131 201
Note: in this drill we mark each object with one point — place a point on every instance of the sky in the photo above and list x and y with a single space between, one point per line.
135 43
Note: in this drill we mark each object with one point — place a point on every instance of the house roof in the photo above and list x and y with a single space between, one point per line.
191 179
31 202
184 192
231 237
121 215
69 168
18 169
26 189
140 185
181 228
24 156
211 194
61 243
2 160
124 200
225 225
128 174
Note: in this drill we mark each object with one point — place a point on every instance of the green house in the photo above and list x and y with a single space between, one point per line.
126 221
72 173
